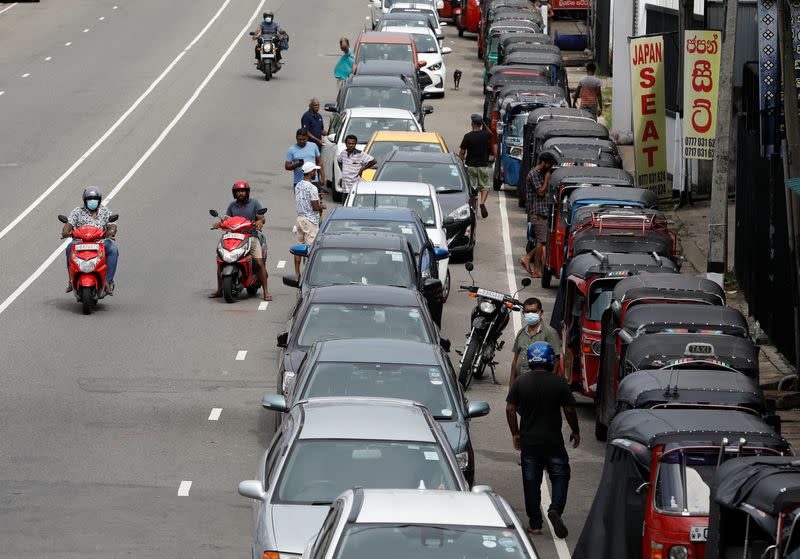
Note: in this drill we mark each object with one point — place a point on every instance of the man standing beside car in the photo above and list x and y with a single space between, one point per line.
352 162
309 208
312 123
300 153
344 66
475 148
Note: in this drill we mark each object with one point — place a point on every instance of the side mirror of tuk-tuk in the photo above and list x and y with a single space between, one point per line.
625 336
469 266
525 282
642 487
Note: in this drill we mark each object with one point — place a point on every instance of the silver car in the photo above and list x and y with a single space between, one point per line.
402 523
325 446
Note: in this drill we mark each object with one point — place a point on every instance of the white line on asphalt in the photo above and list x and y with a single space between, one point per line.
215 413
8 8
241 354
86 30
101 18
113 128
48 58
68 43
115 7
281 263
561 545
183 488
262 306
25 75
2 92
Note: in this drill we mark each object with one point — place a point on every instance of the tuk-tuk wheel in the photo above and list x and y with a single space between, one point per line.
547 275
460 31
480 54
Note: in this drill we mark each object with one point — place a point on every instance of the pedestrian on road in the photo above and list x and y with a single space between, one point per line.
309 208
475 148
344 66
352 162
534 330
300 153
539 397
537 206
590 91
312 123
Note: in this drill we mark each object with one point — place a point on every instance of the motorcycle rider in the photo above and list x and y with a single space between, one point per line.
265 28
244 206
93 213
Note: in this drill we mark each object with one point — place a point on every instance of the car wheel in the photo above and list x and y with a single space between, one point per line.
446 287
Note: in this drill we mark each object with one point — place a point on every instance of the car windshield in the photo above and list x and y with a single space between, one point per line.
375 96
423 205
367 541
385 51
380 150
317 471
338 266
421 383
517 124
333 321
425 43
599 299
445 177
364 127
384 23
404 228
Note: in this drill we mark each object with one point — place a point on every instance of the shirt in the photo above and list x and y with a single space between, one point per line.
344 66
248 210
539 397
351 165
304 194
309 153
589 87
313 123
535 204
523 339
477 144
80 216
270 28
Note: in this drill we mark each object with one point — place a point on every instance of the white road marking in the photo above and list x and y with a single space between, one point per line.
281 264
25 75
68 43
48 58
101 18
115 7
2 92
561 545
262 306
8 8
114 126
215 413
60 250
241 354
8 164
86 30
184 488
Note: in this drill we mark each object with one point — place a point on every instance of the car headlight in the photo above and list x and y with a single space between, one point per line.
515 152
462 459
460 213
435 67
486 307
288 379
678 552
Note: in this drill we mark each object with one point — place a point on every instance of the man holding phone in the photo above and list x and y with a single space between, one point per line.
302 152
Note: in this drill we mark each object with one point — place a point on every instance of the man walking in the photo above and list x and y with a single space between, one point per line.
590 91
539 397
475 148
344 66
300 153
309 208
534 329
352 162
537 206
312 123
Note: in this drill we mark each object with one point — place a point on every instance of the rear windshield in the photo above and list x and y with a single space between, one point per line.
425 43
354 266
375 96
406 229
423 205
330 321
445 177
385 51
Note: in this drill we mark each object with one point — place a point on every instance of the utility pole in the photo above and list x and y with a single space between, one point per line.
716 265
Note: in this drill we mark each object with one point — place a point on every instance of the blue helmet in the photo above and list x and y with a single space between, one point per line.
541 353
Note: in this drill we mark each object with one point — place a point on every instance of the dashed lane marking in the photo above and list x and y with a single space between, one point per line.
281 264
101 18
184 488
241 354
215 413
8 8
48 58
68 43
26 74
262 306
86 30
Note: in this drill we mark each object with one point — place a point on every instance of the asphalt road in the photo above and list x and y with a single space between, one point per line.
104 419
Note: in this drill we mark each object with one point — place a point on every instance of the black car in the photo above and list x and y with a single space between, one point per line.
379 368
391 92
365 259
354 311
402 68
446 172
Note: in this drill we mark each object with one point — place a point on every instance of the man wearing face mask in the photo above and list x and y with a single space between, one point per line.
534 329
267 28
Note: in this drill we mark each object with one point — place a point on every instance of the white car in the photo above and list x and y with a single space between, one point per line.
417 196
362 122
428 50
378 8
421 9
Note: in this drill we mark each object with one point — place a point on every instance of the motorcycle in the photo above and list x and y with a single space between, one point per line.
269 51
87 264
233 256
489 319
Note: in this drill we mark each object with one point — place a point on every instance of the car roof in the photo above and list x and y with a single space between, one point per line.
406 136
402 215
414 506
402 38
395 187
380 295
387 241
379 112
406 16
356 80
346 418
411 30
376 350
401 156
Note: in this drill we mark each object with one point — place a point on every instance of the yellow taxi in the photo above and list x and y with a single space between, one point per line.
384 142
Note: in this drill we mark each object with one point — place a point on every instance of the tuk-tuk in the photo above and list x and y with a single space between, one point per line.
523 39
612 229
580 152
467 16
493 10
526 47
755 504
653 498
584 293
508 77
498 29
548 59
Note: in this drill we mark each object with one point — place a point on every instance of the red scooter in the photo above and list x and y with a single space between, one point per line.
87 263
233 256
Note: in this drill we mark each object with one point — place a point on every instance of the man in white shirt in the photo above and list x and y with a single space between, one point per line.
309 208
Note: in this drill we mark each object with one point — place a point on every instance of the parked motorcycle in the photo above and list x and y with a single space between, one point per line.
489 319
233 256
87 264
268 49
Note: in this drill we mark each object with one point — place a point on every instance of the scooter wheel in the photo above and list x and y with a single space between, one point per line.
227 289
87 299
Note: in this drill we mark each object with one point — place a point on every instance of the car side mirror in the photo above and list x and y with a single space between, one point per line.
445 344
446 50
63 218
448 221
432 285
291 281
213 213
331 138
441 253
331 107
477 408
525 282
113 217
427 109
482 489
299 250
275 402
443 24
283 339
252 489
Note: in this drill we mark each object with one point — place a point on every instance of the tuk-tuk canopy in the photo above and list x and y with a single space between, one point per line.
589 175
526 38
661 286
649 241
653 427
509 25
518 97
498 81
587 143
616 265
530 47
654 351
560 114
584 195
569 129
504 12
581 156
658 317
537 57
770 484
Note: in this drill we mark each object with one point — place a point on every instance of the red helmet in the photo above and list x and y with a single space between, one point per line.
240 185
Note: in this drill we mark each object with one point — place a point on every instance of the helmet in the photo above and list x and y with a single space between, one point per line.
541 353
240 185
269 15
92 193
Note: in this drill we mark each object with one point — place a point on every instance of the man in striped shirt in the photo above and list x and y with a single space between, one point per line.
589 91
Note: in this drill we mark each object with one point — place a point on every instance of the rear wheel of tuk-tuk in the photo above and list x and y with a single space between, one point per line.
497 184
460 31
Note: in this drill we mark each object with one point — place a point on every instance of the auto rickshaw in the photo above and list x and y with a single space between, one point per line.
526 47
467 16
584 293
493 10
447 11
653 498
755 504
508 77
548 59
578 152
522 39
498 29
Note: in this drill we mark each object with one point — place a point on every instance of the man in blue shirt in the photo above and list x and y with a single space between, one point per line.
303 152
312 122
344 67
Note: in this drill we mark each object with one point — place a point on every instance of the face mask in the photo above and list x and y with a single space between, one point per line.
92 204
268 19
532 318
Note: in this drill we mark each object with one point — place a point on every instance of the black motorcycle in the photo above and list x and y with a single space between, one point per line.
269 50
489 319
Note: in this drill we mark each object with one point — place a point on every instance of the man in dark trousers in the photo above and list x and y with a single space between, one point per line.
475 148
538 397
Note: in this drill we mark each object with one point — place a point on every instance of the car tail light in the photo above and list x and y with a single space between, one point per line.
656 550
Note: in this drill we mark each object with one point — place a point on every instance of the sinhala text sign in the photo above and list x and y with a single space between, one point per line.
700 86
649 126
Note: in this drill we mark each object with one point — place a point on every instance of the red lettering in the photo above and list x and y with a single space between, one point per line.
702 79
650 151
650 131
648 78
648 103
701 115
658 55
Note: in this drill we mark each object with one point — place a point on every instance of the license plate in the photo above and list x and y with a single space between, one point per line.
87 246
237 236
491 294
698 534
